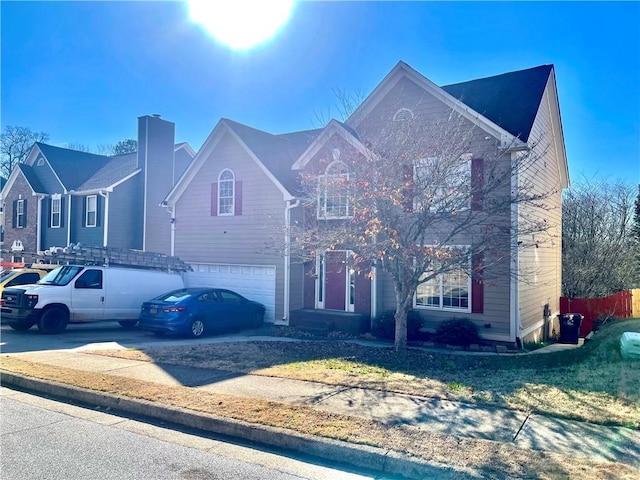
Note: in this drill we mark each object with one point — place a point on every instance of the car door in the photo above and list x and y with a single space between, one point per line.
87 296
235 310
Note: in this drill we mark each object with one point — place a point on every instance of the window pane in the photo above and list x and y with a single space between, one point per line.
428 293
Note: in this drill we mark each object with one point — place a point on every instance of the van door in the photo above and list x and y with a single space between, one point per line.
87 296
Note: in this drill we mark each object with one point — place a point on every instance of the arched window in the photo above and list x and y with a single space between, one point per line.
226 192
334 192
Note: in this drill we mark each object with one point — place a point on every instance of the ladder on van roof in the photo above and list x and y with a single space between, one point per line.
106 256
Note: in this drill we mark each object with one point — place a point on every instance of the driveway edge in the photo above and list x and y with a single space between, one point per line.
360 456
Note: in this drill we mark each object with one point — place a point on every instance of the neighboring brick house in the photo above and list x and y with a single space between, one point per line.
60 196
240 194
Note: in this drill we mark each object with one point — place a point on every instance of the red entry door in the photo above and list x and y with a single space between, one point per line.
336 273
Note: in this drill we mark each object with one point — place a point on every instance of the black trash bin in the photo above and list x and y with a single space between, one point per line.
570 327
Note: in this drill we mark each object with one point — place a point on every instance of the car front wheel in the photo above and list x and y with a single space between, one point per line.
53 321
196 328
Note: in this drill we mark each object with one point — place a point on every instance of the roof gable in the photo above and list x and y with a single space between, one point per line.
72 167
510 100
334 127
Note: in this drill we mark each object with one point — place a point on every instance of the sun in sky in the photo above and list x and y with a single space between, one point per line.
241 24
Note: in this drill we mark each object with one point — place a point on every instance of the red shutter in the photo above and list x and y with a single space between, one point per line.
477 285
477 183
237 202
214 199
407 188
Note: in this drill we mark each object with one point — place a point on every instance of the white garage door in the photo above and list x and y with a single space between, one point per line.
256 282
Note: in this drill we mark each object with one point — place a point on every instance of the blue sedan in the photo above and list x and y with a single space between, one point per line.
196 311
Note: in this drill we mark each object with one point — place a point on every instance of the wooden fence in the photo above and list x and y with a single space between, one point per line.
635 303
619 305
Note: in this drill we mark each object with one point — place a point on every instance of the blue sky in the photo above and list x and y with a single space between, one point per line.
84 71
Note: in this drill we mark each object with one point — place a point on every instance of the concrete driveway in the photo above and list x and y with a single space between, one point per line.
103 335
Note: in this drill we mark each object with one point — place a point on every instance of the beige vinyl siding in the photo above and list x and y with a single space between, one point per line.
253 238
407 94
540 268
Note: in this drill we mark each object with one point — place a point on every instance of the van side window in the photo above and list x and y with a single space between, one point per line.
90 279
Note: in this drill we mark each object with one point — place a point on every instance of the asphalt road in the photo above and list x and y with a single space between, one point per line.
44 439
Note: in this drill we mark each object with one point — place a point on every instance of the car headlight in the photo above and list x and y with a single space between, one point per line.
32 300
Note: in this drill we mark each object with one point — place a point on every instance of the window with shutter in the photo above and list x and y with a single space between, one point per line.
445 291
226 193
56 211
91 211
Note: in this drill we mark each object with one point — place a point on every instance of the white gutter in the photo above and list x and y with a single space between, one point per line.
374 291
105 239
287 257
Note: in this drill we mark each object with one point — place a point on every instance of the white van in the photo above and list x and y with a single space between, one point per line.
80 294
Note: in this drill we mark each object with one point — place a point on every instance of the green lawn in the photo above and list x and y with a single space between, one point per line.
591 383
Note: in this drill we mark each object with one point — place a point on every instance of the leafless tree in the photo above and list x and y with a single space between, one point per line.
346 104
15 145
599 251
421 199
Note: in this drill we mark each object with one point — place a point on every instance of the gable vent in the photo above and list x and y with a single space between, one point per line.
402 115
40 162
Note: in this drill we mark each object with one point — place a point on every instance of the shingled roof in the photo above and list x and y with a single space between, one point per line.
72 166
276 152
510 100
32 178
117 168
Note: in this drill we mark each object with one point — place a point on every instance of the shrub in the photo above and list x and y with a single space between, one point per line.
457 331
384 326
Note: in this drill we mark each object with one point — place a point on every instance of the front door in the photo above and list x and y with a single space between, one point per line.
336 282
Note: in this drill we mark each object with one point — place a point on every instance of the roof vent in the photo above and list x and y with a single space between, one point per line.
403 114
156 115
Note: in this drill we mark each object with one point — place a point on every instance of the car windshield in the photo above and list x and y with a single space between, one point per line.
60 276
6 276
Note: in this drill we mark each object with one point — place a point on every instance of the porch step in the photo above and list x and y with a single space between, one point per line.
325 321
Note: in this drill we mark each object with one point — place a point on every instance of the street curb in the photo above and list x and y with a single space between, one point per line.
360 456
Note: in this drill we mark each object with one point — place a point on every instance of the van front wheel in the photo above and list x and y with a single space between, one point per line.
53 320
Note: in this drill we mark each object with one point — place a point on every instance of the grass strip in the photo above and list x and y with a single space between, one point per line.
491 458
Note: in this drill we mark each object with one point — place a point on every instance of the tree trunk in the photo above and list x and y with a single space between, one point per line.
402 307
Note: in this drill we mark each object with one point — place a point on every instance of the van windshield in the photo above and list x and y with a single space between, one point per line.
60 276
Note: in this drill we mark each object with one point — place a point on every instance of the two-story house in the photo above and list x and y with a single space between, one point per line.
60 196
237 199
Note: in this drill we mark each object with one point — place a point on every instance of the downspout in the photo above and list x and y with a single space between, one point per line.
69 219
38 223
106 218
514 333
172 213
287 257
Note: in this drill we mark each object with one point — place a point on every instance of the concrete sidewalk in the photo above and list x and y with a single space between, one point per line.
534 432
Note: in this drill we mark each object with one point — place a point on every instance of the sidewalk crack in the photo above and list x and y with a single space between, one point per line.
329 395
522 426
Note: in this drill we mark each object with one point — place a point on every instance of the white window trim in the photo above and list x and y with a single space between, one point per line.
442 307
467 157
233 193
56 199
322 193
86 222
20 214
